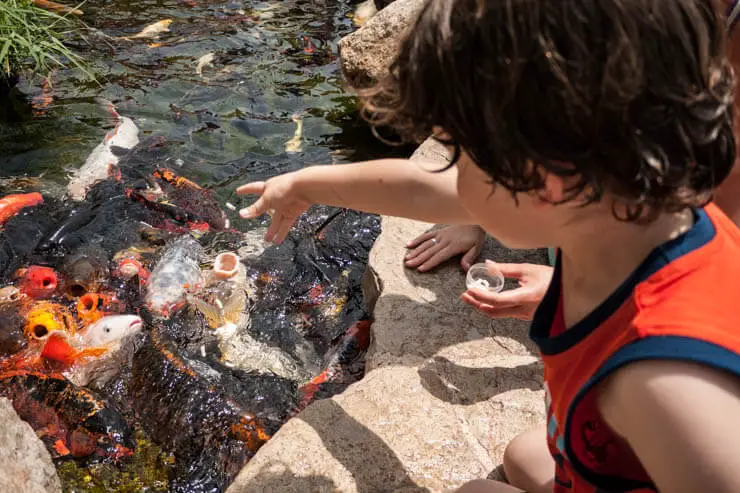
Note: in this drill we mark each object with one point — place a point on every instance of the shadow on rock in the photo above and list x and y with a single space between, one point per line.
463 385
267 481
356 447
447 282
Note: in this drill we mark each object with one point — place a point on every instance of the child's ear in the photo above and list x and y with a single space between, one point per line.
554 190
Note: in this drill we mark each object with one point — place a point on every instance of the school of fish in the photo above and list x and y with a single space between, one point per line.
117 286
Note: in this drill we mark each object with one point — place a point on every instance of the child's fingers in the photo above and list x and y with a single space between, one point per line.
512 297
418 250
255 210
514 271
435 260
284 226
469 258
257 187
517 311
272 229
421 239
425 254
477 303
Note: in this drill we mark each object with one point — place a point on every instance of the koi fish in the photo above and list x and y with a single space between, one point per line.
225 434
295 144
352 345
110 337
364 12
56 7
177 271
224 295
10 295
85 271
152 30
57 348
38 282
203 62
91 307
191 197
129 264
10 205
101 162
44 318
72 422
12 339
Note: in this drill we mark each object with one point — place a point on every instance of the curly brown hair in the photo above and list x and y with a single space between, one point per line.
633 97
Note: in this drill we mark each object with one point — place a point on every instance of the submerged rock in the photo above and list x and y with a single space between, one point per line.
26 464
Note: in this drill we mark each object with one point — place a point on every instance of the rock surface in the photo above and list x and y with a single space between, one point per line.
446 389
367 53
25 464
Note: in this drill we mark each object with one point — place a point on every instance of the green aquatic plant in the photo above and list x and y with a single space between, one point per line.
32 40
148 470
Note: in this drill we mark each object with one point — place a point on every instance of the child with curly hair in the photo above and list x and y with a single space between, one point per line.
601 128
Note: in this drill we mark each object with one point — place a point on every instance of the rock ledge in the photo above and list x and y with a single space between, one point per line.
445 390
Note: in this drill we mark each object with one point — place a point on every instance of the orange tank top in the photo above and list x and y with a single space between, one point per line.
681 303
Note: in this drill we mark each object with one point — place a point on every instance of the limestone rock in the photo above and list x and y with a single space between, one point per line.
26 464
366 54
446 388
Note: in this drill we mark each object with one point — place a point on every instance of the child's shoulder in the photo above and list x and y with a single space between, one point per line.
690 281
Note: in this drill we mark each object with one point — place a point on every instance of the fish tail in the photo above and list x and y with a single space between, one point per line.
214 314
310 389
234 307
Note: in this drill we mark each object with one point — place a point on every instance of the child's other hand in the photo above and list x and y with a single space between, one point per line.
516 303
434 247
278 198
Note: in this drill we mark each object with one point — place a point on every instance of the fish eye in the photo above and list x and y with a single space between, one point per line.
106 329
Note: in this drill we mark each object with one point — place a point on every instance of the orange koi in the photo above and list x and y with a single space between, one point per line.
91 307
56 7
10 205
38 282
354 343
309 46
42 101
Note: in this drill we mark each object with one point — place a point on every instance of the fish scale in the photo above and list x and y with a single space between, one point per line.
170 392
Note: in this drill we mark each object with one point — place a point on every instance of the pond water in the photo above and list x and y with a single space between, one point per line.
273 65
240 91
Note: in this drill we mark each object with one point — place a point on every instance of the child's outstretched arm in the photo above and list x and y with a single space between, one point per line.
681 420
393 187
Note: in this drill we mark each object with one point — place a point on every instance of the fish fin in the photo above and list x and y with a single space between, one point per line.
60 448
58 349
213 314
91 352
234 306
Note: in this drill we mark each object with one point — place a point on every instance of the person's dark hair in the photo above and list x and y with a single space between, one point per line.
636 94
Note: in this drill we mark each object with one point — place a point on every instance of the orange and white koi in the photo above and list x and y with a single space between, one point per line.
101 163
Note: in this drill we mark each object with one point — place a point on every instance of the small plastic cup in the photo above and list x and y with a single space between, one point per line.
481 276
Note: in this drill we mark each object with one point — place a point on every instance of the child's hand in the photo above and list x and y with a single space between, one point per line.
517 303
434 247
278 198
